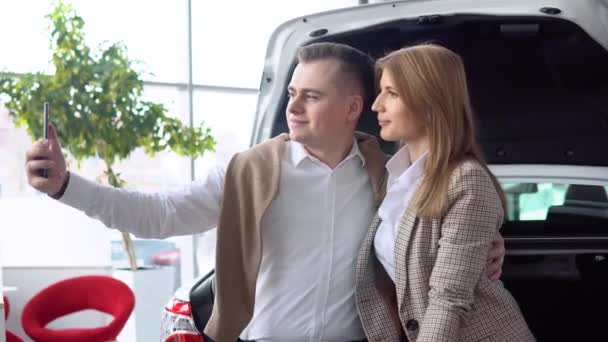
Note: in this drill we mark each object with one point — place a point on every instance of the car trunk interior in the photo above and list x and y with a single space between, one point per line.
539 85
539 88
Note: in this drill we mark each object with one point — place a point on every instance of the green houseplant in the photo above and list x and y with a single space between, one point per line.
97 106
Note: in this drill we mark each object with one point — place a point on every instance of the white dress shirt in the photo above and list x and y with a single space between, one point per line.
311 236
401 185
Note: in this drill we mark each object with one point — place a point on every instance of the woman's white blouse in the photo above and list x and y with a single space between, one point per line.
401 185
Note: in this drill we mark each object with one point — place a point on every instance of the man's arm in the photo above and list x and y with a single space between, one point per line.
192 209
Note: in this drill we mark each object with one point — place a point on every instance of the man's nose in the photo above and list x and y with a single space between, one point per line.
294 106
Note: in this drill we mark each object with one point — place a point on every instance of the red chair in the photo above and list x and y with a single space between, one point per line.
100 293
10 337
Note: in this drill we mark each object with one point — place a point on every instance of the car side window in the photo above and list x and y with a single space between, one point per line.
531 201
538 201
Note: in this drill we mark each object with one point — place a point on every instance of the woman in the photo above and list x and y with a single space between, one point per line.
420 274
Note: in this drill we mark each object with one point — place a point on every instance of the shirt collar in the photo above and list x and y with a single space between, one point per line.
299 153
401 162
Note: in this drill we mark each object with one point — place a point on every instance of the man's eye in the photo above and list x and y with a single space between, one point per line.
290 94
311 97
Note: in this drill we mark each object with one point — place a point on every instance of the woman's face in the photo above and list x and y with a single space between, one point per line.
397 122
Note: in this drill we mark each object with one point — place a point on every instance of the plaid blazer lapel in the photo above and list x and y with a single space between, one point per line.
365 253
407 226
374 314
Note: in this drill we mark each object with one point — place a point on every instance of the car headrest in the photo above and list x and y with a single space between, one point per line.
586 193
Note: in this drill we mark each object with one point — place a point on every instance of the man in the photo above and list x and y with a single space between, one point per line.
285 265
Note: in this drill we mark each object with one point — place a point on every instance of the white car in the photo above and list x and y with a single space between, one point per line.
538 78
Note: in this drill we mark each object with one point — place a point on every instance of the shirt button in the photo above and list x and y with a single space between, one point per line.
412 324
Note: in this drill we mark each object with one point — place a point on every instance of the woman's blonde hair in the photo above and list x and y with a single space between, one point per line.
432 83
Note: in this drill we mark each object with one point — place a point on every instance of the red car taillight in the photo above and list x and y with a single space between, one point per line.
177 324
179 307
184 338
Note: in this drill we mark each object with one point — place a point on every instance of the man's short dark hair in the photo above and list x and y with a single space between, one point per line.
353 62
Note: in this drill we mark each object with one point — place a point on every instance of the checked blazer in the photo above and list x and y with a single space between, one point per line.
442 291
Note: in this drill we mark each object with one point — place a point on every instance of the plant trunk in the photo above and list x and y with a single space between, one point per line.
130 248
116 182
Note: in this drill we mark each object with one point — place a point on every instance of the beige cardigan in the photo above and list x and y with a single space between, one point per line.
251 184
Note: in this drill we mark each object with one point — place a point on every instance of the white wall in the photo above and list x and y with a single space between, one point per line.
35 234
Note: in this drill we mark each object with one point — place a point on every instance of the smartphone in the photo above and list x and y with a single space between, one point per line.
45 110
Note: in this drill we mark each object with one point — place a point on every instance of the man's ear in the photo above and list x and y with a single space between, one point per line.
355 107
